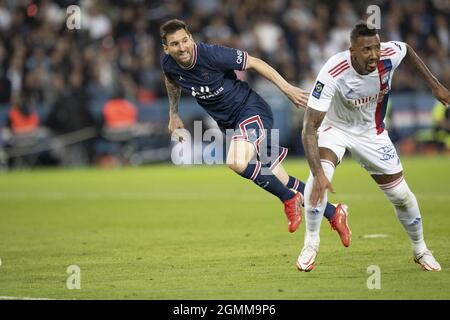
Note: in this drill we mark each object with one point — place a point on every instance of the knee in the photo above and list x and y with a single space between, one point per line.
237 166
239 156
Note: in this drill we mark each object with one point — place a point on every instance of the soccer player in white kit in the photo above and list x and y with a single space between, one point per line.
346 110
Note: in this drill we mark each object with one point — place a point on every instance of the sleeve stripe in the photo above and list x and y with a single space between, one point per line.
244 65
338 71
337 66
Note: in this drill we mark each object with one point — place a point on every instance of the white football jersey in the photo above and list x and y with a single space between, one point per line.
354 102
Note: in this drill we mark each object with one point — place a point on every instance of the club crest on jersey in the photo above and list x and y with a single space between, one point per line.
318 88
205 76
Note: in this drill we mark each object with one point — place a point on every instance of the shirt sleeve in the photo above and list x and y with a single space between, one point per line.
228 59
394 50
168 76
163 63
323 91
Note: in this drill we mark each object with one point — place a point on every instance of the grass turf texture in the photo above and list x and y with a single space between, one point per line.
166 232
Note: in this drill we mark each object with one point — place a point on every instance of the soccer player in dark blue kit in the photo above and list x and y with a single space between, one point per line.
207 72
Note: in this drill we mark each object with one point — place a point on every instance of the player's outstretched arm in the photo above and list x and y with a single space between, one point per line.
439 91
311 122
175 122
298 96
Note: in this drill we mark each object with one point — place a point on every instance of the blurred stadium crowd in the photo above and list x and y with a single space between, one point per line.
68 76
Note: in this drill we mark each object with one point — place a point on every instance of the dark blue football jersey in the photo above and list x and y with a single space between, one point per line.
212 81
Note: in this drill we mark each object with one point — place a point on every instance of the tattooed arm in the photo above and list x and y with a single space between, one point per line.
311 123
175 122
174 93
439 91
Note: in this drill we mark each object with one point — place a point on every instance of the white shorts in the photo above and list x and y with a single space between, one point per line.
373 152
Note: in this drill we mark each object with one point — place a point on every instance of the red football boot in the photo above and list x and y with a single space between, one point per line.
339 223
293 211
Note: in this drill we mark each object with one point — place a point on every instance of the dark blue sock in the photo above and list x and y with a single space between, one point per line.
298 185
263 177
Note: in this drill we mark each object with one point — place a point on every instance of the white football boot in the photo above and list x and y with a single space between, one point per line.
307 258
427 261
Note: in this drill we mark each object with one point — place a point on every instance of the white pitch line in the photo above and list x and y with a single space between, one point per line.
374 236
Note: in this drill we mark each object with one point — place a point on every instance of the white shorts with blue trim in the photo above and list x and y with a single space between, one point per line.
374 152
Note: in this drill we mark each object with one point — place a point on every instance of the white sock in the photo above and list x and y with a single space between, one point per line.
314 216
408 212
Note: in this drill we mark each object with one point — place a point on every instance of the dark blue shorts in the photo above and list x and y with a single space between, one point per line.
255 125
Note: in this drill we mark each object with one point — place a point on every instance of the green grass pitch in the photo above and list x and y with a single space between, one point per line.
203 232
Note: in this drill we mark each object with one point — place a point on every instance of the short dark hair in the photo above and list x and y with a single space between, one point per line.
362 30
171 26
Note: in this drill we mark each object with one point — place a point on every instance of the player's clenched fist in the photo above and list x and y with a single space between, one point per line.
320 186
175 123
441 93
